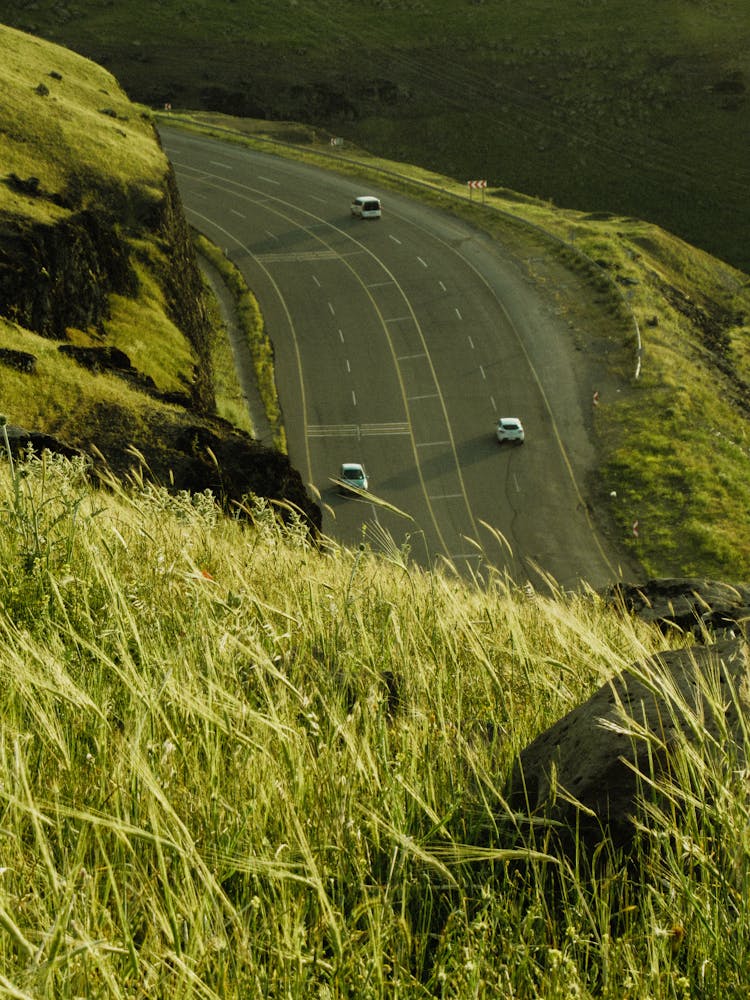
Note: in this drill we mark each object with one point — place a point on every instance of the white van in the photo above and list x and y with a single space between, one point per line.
366 206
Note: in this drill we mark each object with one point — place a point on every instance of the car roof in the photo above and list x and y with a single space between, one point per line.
509 420
351 466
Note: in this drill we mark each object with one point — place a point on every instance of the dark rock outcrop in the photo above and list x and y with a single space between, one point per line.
233 466
109 359
22 361
22 442
691 604
193 457
589 771
57 276
182 282
29 186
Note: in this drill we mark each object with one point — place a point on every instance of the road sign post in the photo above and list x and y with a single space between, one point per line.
474 185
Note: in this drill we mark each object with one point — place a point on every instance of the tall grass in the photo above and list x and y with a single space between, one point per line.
234 765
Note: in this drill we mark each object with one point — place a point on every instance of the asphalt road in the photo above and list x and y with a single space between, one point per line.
399 342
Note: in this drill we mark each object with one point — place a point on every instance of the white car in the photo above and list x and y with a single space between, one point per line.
366 206
352 474
510 429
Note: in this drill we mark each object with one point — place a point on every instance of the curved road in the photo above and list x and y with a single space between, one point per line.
398 344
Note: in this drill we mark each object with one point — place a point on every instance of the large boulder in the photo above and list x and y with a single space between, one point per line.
589 771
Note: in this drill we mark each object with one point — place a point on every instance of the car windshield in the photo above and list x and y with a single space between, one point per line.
352 473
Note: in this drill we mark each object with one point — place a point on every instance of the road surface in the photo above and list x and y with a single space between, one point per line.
399 342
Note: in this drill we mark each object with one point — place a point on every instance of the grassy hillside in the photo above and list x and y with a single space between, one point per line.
68 126
68 123
96 258
234 766
628 106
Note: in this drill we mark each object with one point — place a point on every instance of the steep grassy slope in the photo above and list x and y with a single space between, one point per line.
105 337
234 766
629 106
85 214
68 123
